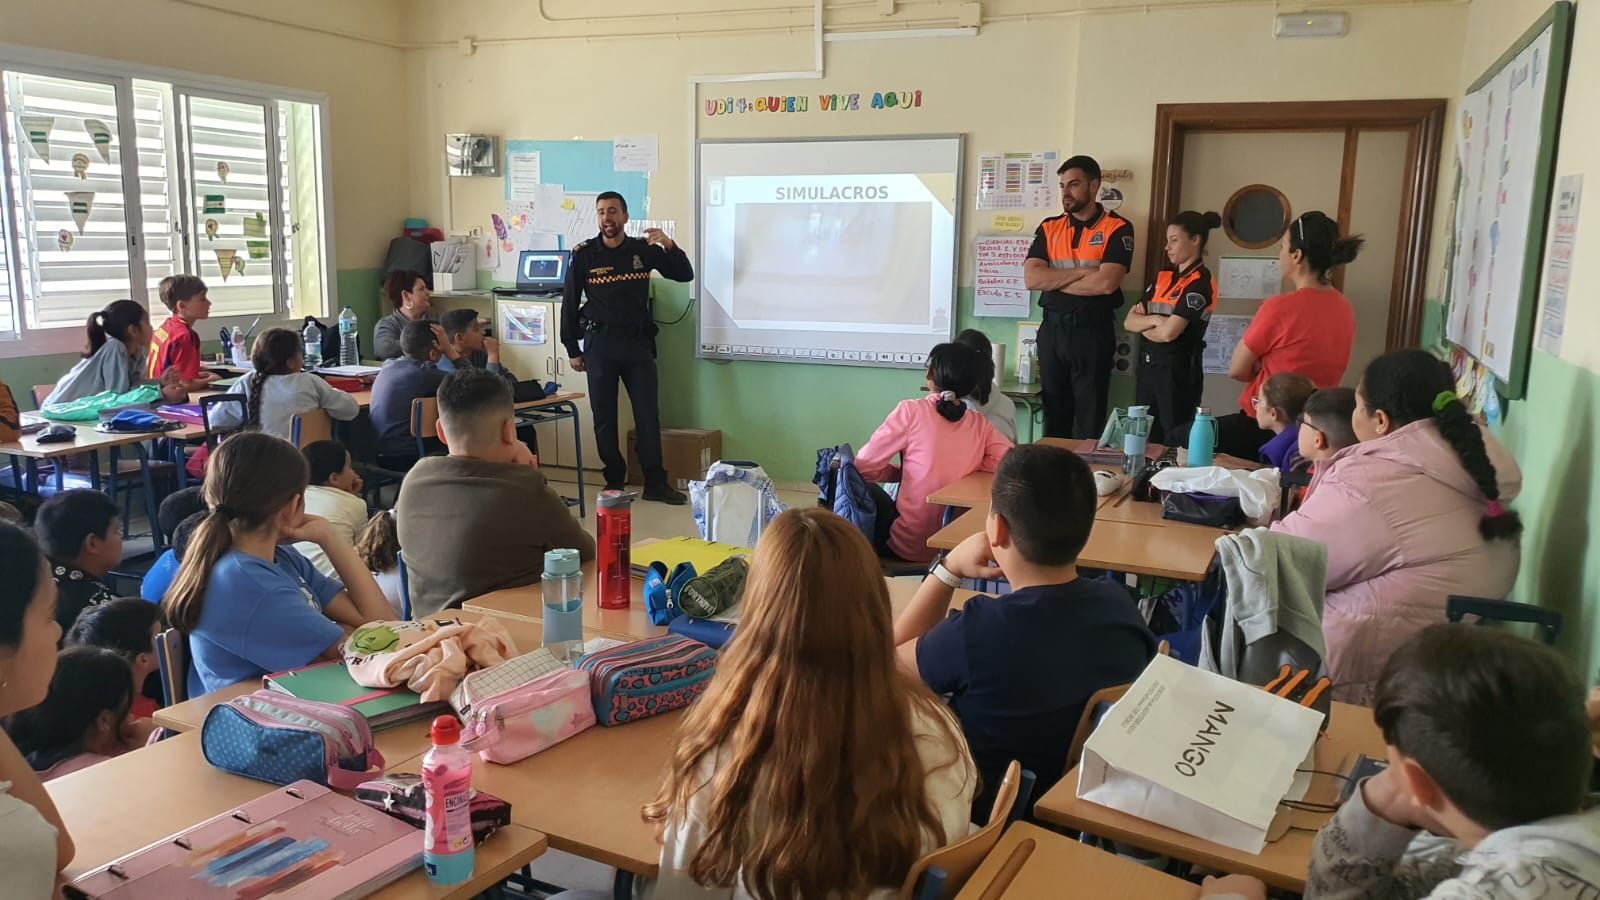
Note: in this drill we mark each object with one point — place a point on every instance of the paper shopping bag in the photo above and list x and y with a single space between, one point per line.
1199 753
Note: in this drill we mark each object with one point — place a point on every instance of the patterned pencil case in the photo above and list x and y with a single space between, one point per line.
647 678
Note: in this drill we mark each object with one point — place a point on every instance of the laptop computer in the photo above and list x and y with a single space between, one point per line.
540 273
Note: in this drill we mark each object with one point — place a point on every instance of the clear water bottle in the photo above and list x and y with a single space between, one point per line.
349 355
448 855
562 590
313 338
241 356
1134 439
1202 438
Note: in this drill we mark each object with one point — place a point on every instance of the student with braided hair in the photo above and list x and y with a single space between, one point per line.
1413 513
279 389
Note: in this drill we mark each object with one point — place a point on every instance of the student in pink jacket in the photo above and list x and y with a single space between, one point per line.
939 439
1411 514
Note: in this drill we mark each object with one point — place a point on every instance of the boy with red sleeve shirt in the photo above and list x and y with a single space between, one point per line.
176 345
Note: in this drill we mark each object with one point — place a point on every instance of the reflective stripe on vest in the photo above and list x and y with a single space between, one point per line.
1091 243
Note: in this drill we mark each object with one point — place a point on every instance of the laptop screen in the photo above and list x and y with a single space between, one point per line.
541 270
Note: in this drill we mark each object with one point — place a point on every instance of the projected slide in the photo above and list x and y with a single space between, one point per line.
836 252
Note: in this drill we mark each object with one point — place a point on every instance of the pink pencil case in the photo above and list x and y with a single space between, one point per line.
533 716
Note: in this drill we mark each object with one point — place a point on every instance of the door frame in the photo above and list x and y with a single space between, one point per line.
1421 120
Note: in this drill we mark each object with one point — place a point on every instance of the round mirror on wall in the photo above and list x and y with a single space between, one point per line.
1256 216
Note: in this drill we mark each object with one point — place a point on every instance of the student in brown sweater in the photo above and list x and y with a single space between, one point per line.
481 518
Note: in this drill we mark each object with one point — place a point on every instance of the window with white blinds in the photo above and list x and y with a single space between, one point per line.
111 183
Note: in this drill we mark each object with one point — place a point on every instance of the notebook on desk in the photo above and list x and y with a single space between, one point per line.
301 841
330 682
703 554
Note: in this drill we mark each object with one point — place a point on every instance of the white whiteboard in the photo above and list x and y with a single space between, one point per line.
1501 208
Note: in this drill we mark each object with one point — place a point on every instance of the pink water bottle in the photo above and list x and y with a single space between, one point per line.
614 535
447 851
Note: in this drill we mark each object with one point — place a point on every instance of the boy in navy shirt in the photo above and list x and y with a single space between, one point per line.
1019 668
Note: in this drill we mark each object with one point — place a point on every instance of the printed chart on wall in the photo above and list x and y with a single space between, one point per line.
1505 138
1023 180
550 194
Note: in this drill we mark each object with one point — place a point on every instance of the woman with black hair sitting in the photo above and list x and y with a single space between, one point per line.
1410 515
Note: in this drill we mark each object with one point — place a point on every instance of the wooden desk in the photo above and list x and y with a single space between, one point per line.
1284 862
1030 397
191 714
121 805
1055 867
585 793
1183 553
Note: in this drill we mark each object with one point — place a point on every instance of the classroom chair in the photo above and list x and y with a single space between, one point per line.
940 874
172 661
405 585
424 421
208 403
1547 622
310 427
1099 703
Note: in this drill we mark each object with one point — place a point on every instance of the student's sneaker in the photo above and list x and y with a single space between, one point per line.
667 495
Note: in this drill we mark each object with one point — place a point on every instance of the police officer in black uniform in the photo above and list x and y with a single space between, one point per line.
611 272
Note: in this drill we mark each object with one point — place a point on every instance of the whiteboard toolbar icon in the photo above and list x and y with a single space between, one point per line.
901 357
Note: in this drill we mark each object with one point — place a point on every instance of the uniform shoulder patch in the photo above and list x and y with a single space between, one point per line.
1195 301
580 245
1127 243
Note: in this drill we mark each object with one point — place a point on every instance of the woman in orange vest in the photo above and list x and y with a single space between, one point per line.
1171 320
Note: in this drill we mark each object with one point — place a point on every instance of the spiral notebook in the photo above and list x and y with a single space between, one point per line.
301 842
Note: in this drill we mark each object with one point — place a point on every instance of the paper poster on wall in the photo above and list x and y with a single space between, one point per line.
582 222
1248 277
1558 262
997 285
1223 334
548 216
634 153
516 231
522 175
1018 180
522 323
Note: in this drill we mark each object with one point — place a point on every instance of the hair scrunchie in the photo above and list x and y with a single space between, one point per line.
224 511
1443 399
1494 510
945 395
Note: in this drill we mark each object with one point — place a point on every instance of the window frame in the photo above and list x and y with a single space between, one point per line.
122 75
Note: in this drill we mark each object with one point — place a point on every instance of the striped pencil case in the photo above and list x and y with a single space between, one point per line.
647 678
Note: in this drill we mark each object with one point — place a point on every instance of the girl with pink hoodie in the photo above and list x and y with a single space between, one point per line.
938 440
1410 515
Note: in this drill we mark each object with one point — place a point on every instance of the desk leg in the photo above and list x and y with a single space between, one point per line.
150 506
94 469
33 476
116 461
622 886
577 447
16 476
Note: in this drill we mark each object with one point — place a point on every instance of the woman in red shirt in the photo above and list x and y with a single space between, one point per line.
1308 330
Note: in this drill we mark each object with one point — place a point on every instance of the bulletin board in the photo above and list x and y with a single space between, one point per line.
1505 132
583 167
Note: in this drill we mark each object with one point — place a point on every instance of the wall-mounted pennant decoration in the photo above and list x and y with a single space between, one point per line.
222 171
37 128
81 203
225 262
80 166
238 264
101 136
64 240
256 226
259 249
211 229
216 205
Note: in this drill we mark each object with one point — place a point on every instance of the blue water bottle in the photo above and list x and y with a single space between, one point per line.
1202 438
562 590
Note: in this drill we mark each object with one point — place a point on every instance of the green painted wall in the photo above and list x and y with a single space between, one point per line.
778 414
1554 433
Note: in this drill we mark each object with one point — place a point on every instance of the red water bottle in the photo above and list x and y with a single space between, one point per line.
614 535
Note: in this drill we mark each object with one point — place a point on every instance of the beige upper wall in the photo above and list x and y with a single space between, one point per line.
1401 52
363 81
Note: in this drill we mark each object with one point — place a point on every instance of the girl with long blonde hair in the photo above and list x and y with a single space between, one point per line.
812 767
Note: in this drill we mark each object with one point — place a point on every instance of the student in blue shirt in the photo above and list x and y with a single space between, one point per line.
1019 668
249 605
175 509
